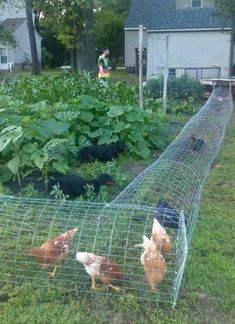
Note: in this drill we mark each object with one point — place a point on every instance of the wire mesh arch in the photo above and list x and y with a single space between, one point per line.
169 190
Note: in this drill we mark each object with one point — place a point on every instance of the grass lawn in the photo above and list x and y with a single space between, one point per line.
207 291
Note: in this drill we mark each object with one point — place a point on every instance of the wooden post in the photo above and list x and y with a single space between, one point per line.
141 36
166 76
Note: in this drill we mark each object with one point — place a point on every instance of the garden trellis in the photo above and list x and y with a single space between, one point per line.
169 190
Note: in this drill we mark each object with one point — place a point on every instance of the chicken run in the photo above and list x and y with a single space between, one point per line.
136 244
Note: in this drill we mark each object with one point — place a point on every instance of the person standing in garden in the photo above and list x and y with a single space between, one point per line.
104 67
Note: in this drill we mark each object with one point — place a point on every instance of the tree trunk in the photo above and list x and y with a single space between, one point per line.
73 59
81 62
90 62
231 66
113 64
32 38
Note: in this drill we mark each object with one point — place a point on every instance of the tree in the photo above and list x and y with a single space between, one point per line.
72 23
89 36
54 54
227 9
110 27
5 36
110 33
32 38
119 7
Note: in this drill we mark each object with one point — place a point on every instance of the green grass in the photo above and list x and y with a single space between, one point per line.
207 291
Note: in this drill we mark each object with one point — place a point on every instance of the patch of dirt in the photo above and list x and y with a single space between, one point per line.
176 125
134 168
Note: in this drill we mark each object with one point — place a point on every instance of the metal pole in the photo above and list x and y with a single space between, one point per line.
141 37
166 76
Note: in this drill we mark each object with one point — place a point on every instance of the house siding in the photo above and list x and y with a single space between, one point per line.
131 43
189 49
23 44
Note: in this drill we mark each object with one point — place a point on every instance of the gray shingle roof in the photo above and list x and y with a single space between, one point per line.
162 15
141 10
11 24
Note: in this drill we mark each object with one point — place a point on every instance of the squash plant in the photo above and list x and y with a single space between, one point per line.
46 135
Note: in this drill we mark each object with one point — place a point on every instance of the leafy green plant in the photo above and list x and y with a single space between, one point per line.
53 89
46 135
183 87
57 193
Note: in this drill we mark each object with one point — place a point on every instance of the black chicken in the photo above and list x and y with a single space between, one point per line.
197 144
166 214
75 186
102 153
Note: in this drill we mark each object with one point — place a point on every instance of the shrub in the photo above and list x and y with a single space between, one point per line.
178 88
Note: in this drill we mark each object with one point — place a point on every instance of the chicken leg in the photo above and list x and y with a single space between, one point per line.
93 286
52 274
118 289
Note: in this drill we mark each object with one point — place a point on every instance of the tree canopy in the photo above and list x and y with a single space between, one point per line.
226 8
82 27
5 36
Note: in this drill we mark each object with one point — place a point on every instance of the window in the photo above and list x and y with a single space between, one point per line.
196 3
172 73
3 55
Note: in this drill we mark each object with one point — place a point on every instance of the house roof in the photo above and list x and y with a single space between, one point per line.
162 15
12 24
141 11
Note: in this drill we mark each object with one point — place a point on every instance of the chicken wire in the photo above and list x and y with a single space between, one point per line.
27 223
169 190
176 179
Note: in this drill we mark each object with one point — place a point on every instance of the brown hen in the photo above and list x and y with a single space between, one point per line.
161 238
102 268
153 262
53 250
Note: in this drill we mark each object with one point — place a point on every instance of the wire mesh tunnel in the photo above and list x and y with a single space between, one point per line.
169 190
175 181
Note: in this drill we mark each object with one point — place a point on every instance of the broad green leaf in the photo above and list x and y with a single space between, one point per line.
54 127
87 101
5 174
143 150
119 127
67 115
59 166
4 141
104 121
10 134
54 142
115 111
14 164
87 116
134 116
30 148
40 160
97 133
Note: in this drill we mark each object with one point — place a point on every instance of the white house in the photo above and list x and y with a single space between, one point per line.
200 41
13 18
